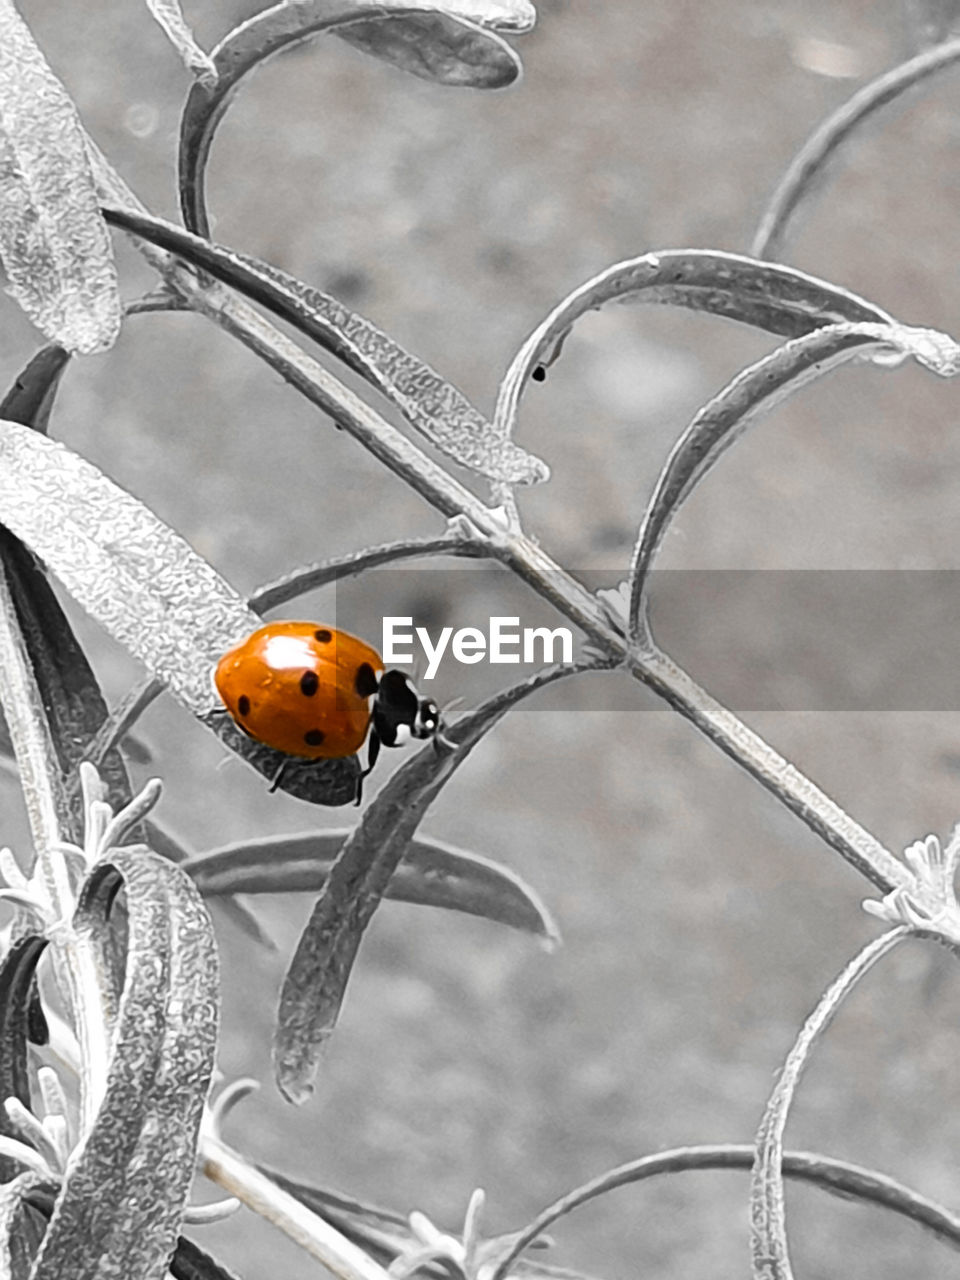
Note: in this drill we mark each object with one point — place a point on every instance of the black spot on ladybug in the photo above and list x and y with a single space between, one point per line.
365 681
243 705
539 374
323 636
309 684
314 737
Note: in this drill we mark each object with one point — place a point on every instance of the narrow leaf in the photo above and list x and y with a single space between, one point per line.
450 51
293 585
430 873
768 1225
17 972
170 17
753 393
806 168
146 586
53 241
774 298
162 842
316 981
432 406
838 1177
30 399
191 1263
18 1238
73 702
119 1211
387 1235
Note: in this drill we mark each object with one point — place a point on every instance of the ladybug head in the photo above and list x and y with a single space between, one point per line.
399 713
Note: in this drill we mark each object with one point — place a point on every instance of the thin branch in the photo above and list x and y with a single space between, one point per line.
825 140
229 1170
838 1177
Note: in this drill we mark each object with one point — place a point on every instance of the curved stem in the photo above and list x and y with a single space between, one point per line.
835 1176
828 136
527 559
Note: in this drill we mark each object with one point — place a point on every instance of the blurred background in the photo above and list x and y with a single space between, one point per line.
700 920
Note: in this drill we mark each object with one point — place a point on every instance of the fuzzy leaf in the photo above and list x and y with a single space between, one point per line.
768 1226
774 298
53 241
433 406
146 586
444 48
73 702
805 170
17 1234
754 392
119 1211
430 873
316 981
170 17
17 972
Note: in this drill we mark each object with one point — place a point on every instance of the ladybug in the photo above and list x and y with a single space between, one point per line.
312 691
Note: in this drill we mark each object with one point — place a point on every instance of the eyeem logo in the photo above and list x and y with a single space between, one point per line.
505 641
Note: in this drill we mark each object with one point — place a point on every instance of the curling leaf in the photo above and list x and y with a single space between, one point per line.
802 176
170 17
771 297
316 981
768 1226
430 873
53 241
840 1178
425 38
144 584
17 973
119 1211
754 392
433 406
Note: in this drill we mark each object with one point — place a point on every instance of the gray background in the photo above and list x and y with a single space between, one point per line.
700 920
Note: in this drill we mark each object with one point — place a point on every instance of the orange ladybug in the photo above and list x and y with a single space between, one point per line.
312 691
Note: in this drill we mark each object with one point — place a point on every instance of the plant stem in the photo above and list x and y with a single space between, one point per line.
500 530
229 1170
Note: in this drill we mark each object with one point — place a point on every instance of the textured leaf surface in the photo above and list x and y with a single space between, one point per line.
430 873
145 585
119 1211
170 17
770 1255
73 702
427 38
16 985
433 406
315 984
15 1251
53 241
756 391
774 298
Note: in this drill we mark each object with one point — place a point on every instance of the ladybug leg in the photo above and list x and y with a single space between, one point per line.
278 776
373 751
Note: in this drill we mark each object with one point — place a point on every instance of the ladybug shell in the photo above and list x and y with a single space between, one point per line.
302 688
